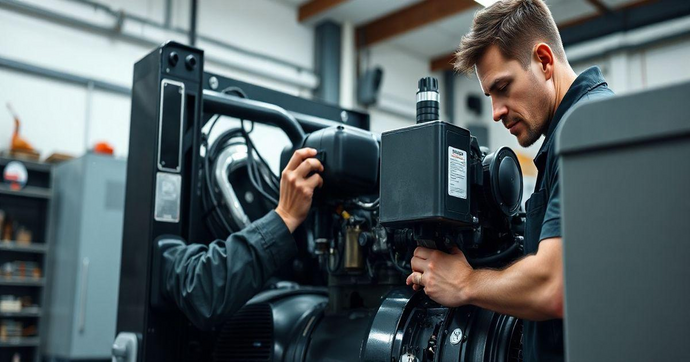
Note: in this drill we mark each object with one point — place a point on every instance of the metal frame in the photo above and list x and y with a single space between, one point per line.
311 115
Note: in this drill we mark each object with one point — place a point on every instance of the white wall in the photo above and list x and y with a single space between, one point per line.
650 67
68 118
61 117
402 70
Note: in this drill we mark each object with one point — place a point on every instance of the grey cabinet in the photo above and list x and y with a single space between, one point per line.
87 212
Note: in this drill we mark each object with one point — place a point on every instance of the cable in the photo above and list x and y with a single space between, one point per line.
266 183
509 252
255 175
395 262
254 172
215 210
368 206
210 189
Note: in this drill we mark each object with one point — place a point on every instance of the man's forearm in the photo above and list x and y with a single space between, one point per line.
531 288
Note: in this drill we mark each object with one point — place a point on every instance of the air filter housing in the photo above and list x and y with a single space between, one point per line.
425 175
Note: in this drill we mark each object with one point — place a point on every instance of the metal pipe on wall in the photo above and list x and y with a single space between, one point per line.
192 22
63 76
149 22
303 77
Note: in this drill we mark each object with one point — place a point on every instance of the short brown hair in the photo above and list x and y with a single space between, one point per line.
514 26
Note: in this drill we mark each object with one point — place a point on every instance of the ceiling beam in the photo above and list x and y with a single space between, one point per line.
625 17
313 8
409 18
579 21
601 7
444 62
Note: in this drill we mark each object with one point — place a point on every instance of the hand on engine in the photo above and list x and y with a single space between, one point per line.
443 276
297 187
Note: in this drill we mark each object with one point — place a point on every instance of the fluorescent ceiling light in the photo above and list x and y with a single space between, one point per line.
486 3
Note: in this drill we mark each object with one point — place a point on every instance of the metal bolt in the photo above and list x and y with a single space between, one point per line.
213 82
343 116
456 336
408 357
249 197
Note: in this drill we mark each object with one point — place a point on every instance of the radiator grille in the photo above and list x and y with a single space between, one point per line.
248 336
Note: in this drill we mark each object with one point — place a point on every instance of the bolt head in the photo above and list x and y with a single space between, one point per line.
213 83
344 116
456 336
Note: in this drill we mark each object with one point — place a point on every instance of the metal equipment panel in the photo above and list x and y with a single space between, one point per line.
85 274
624 178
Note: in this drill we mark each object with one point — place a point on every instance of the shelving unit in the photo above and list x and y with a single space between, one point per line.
23 248
28 191
28 207
25 312
21 342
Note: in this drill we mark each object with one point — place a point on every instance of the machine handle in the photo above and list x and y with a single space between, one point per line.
82 296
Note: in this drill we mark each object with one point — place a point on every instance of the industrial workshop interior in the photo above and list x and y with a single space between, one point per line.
344 180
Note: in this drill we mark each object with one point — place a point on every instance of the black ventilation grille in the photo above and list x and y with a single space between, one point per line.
247 337
515 346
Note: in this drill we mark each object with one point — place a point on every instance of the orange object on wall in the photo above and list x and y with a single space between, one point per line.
103 148
18 143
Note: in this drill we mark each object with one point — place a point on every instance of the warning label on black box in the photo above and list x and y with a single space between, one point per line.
457 173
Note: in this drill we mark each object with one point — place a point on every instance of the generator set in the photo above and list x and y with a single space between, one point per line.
343 297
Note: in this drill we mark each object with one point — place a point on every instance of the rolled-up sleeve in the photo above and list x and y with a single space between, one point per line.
210 283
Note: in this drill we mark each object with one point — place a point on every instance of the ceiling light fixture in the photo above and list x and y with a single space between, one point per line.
486 3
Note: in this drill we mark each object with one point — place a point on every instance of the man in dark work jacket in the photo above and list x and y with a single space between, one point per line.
210 283
516 50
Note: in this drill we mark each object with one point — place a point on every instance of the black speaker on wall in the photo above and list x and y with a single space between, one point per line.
368 86
474 104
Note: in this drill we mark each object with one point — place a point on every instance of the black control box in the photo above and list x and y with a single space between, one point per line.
425 175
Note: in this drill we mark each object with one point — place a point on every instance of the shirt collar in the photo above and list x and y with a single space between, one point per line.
583 84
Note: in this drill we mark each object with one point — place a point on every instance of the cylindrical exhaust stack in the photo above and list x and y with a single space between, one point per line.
428 104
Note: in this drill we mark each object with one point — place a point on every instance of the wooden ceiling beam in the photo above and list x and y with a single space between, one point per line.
409 18
313 8
584 19
445 62
601 7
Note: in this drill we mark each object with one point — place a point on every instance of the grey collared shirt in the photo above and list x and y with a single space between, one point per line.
210 283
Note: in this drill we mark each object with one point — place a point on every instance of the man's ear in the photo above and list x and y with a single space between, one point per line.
544 56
